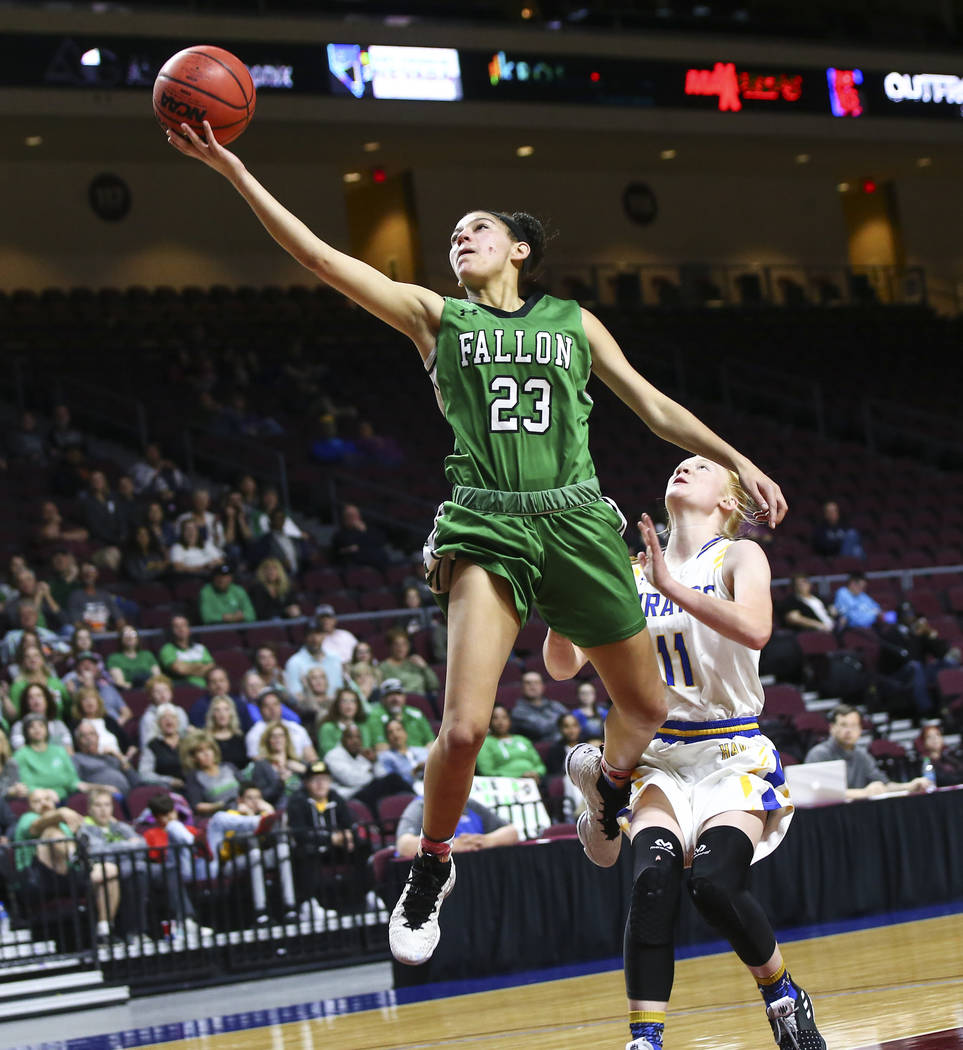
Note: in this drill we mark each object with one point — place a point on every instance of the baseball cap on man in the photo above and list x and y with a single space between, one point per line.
325 610
391 685
314 769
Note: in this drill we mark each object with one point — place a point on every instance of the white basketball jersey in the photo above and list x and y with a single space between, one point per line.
708 677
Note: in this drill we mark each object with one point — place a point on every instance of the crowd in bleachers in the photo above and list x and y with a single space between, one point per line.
166 639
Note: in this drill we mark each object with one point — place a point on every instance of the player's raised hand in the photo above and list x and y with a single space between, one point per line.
766 494
206 149
651 559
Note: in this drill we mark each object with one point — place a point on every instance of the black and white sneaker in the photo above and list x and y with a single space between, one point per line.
793 1023
413 930
598 827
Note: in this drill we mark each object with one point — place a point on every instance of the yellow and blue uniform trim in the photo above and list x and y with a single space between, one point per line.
673 732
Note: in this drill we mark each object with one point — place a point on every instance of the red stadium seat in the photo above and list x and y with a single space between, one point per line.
782 701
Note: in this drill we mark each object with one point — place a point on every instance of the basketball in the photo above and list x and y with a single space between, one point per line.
205 83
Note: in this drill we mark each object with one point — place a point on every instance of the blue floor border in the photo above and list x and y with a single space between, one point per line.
327 1008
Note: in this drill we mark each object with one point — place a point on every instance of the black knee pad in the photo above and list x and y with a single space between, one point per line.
718 886
649 929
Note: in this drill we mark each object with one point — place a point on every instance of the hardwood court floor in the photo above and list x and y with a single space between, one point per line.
870 988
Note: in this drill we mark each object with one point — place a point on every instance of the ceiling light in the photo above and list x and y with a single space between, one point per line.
527 12
352 176
924 162
843 187
668 154
524 151
371 147
33 140
803 158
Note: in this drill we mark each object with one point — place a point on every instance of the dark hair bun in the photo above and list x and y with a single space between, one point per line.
535 237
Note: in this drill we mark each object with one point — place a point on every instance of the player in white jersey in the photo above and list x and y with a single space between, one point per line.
709 793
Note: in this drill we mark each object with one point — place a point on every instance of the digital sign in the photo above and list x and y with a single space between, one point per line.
373 72
425 74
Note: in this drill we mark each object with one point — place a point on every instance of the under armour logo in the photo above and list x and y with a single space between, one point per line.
701 850
661 844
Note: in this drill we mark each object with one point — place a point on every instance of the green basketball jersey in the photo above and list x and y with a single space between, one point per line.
512 386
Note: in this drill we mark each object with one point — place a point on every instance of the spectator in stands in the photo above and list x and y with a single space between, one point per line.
224 601
96 764
131 509
590 712
25 444
247 489
322 828
63 436
355 775
116 843
277 770
237 532
346 710
51 869
410 668
362 659
155 475
376 447
223 724
192 556
178 865
92 605
184 661
833 538
162 529
39 700
51 644
271 709
209 529
35 671
54 530
854 607
218 684
30 589
421 617
272 594
160 758
88 705
130 667
864 778
478 828
357 543
315 699
65 577
312 654
947 765
90 673
267 666
146 559
570 733
105 521
534 715
503 754
11 785
393 705
160 691
337 642
367 685
210 784
41 763
803 610
400 757
278 543
271 502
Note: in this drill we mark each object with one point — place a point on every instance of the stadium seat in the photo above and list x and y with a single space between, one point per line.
782 701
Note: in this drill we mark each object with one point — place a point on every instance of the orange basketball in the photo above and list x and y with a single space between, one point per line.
205 83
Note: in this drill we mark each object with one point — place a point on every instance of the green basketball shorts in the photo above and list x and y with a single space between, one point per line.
561 550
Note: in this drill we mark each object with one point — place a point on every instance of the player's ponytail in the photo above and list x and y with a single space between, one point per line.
744 510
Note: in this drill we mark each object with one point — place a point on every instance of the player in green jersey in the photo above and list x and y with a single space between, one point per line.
526 522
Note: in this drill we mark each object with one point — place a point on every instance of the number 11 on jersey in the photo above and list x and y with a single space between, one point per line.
678 643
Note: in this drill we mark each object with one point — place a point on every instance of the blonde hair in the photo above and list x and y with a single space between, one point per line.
83 692
262 748
157 679
744 510
284 582
192 743
233 723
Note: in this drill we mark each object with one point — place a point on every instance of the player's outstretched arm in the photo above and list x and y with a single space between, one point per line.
672 422
747 619
413 310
